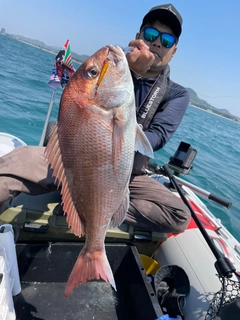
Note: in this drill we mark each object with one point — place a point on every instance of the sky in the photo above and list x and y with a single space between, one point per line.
207 59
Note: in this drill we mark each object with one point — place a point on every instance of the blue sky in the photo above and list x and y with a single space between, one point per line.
208 53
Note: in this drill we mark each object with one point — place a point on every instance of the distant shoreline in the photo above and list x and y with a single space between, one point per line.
30 44
213 113
35 46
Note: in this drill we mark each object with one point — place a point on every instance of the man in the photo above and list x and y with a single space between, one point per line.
159 110
160 105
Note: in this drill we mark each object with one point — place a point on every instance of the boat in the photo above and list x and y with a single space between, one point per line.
8 142
193 275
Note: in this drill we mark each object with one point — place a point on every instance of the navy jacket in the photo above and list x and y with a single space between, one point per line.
166 121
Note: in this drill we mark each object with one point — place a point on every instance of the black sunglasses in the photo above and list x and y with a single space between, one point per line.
151 34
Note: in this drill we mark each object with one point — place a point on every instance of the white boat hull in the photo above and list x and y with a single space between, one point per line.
8 142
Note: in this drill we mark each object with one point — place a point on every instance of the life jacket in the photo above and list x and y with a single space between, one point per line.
154 101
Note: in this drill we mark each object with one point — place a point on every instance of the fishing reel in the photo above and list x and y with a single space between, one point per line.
181 162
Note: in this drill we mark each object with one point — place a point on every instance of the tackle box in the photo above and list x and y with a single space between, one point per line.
45 267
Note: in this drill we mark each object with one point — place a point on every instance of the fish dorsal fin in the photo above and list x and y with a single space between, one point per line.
54 157
120 215
142 144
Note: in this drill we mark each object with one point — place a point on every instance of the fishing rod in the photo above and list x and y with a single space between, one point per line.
61 73
181 163
209 195
47 118
155 168
223 265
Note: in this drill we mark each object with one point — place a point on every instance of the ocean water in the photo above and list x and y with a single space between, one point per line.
24 102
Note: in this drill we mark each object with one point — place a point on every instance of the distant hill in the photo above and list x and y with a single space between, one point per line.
78 57
196 101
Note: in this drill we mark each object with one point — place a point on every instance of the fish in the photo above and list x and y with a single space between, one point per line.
91 151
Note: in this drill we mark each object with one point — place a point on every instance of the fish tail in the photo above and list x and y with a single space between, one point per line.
90 266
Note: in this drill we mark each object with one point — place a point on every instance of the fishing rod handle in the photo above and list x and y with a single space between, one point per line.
168 171
210 196
223 202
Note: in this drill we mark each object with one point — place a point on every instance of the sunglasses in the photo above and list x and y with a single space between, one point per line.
151 34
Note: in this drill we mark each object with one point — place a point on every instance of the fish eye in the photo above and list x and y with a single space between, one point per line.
92 73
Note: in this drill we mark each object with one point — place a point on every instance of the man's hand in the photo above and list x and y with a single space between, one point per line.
140 59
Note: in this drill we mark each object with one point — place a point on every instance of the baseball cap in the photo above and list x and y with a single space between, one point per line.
167 14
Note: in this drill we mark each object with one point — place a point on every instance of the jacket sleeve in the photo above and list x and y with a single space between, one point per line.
165 122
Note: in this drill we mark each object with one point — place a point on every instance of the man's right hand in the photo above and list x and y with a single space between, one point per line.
140 59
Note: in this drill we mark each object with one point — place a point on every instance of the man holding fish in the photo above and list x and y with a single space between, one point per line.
90 155
160 105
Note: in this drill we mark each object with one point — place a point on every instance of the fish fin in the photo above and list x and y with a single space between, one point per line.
120 215
142 143
54 157
90 266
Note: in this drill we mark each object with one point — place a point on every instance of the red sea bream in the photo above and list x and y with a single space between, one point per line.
91 151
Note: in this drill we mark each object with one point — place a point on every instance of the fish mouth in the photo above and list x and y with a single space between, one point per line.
117 51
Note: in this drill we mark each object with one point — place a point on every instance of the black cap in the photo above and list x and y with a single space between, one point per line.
167 14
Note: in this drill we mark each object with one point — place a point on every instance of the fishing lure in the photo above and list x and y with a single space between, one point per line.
102 73
105 67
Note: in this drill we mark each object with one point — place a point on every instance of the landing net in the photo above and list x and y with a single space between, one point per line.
229 292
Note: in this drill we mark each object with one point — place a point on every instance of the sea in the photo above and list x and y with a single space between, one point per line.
24 101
